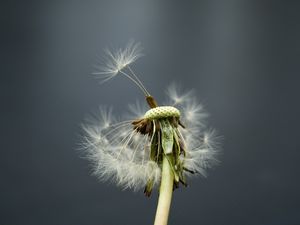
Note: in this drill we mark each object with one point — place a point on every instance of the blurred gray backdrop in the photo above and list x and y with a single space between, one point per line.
241 57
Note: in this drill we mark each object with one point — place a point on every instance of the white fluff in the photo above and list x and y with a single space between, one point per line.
176 97
119 153
115 61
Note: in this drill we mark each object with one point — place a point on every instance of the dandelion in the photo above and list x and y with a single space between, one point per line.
160 146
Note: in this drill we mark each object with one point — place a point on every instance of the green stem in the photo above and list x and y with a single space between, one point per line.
165 193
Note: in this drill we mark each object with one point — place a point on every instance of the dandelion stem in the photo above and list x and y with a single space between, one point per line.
165 193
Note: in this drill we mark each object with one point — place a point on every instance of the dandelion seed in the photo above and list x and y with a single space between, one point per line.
177 98
115 62
160 146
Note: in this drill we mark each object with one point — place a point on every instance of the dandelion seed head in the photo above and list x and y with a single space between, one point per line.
121 154
129 152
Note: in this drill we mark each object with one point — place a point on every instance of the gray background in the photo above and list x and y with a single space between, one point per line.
242 58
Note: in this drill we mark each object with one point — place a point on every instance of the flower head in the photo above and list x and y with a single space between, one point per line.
131 152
